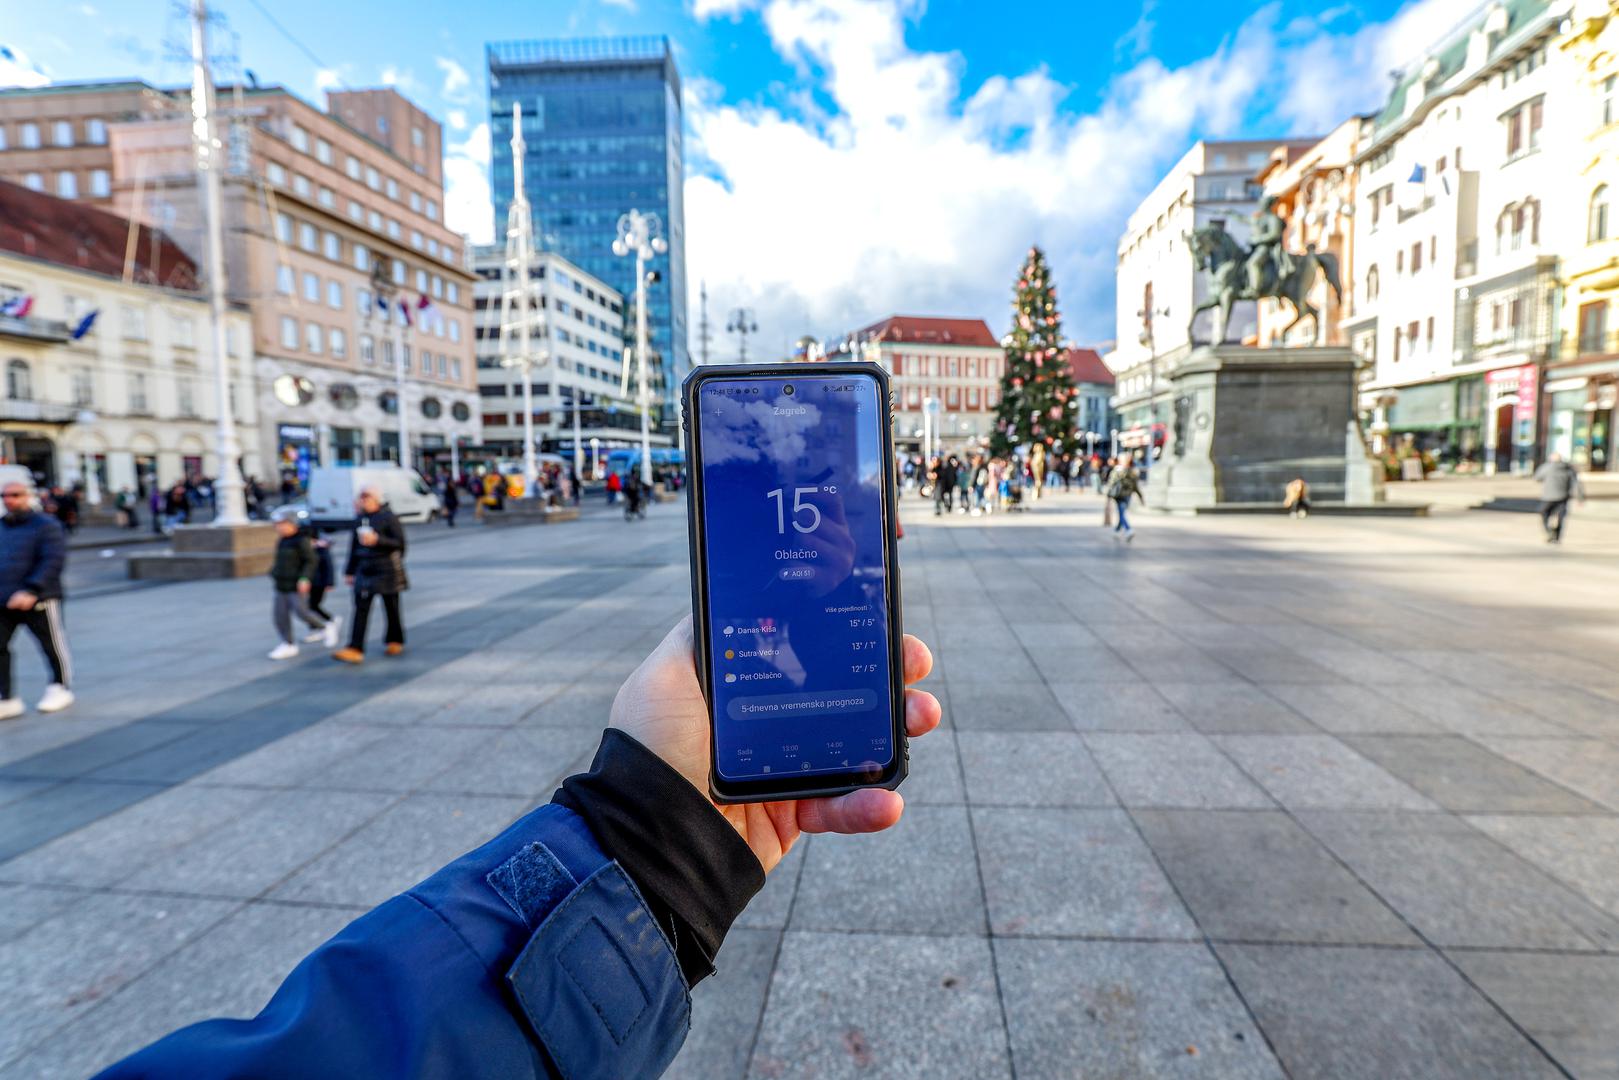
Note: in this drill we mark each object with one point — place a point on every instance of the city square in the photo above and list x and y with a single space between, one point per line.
1249 796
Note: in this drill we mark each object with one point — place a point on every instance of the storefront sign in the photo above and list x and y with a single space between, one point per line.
1519 381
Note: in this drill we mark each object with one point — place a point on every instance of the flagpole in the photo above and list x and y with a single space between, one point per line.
400 364
230 504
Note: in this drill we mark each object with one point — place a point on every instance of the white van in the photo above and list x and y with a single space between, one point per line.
332 490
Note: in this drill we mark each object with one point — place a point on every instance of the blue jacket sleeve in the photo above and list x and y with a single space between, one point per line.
533 956
50 553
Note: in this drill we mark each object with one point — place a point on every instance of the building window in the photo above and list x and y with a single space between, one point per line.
455 368
421 281
323 151
84 386
62 133
283 280
100 183
300 139
312 337
308 236
300 184
393 229
289 332
432 211
432 247
1416 257
417 138
180 330
352 167
28 136
1597 219
283 228
392 189
1609 111
1430 331
274 173
312 288
332 246
1523 126
3 144
416 239
334 295
362 257
95 131
1593 328
185 394
1372 282
338 343
1399 261
416 202
328 198
452 292
1412 330
34 181
134 324
362 302
19 381
399 272
427 362
373 179
137 392
356 211
67 185
455 330
368 349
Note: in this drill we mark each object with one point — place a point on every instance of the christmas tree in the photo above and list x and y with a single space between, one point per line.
1037 388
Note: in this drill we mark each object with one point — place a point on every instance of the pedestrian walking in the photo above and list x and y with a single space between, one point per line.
33 550
944 485
964 485
615 484
452 502
176 508
1103 475
1558 484
1123 486
376 568
293 576
325 575
126 502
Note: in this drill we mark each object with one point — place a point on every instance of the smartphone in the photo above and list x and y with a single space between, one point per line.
795 581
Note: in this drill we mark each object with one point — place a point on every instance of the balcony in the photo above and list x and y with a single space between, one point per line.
38 412
38 331
1589 346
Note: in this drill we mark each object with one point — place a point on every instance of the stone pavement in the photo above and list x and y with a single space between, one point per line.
1248 797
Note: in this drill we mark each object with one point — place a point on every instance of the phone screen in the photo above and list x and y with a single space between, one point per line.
797 584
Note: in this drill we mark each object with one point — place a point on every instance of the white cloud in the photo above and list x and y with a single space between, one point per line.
457 119
400 79
627 5
709 9
909 195
326 79
457 83
17 70
468 207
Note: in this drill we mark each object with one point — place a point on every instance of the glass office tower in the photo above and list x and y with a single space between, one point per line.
602 123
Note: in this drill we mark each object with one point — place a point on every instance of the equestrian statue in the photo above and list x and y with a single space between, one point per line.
1265 269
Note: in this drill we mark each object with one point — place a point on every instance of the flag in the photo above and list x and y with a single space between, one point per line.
1413 190
84 325
17 307
427 312
382 304
404 311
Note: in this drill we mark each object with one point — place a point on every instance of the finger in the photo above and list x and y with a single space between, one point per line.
922 712
863 811
918 659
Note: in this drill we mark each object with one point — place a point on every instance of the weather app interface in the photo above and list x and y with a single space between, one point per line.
797 597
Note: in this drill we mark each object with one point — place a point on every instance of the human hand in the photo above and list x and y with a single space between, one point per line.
348 579
661 705
303 587
22 600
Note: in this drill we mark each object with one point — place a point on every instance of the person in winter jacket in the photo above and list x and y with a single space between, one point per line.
564 947
33 550
1123 485
1559 483
376 568
293 574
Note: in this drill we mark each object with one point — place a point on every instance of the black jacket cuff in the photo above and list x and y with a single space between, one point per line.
695 872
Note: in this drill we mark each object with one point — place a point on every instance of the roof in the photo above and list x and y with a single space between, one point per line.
82 237
89 86
932 331
1087 366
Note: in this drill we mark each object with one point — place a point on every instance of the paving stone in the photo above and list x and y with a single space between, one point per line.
1125 1009
770 907
1252 875
948 1026
1061 872
1376 1014
404 761
1344 708
231 970
1086 665
48 813
1581 852
1015 706
584 704
921 873
1587 766
935 775
22 907
1569 1004
1044 768
1458 887
1173 770
119 845
527 761
251 854
1580 711
63 966
1227 708
292 759
726 1007
1319 772
1460 775
1117 707
1271 664
400 847
1471 712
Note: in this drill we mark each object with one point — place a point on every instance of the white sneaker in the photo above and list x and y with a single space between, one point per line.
11 708
284 651
57 697
328 636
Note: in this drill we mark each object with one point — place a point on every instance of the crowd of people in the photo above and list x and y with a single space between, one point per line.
976 482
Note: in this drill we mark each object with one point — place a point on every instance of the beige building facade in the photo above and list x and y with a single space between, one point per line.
54 139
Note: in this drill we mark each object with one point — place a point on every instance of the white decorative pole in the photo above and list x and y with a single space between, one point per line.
639 234
519 311
231 506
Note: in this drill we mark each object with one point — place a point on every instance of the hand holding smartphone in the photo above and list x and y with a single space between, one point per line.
795 585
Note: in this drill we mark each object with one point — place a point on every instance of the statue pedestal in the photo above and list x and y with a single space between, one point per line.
1249 421
202 552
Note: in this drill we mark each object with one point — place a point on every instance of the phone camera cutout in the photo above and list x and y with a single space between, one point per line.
788 389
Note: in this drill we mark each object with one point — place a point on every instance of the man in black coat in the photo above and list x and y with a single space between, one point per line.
376 567
33 550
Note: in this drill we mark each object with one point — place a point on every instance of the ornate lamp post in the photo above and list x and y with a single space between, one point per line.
640 234
386 292
741 323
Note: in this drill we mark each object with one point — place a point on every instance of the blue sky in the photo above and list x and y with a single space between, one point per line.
848 158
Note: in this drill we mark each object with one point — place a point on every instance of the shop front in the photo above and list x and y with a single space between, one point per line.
1580 421
1509 429
1443 419
295 452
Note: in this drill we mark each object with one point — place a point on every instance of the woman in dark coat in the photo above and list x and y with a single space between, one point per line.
376 567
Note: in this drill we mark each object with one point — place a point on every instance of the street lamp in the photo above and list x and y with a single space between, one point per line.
742 324
640 234
1146 315
518 310
385 289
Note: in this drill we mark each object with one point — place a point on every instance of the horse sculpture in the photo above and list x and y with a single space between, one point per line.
1217 253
